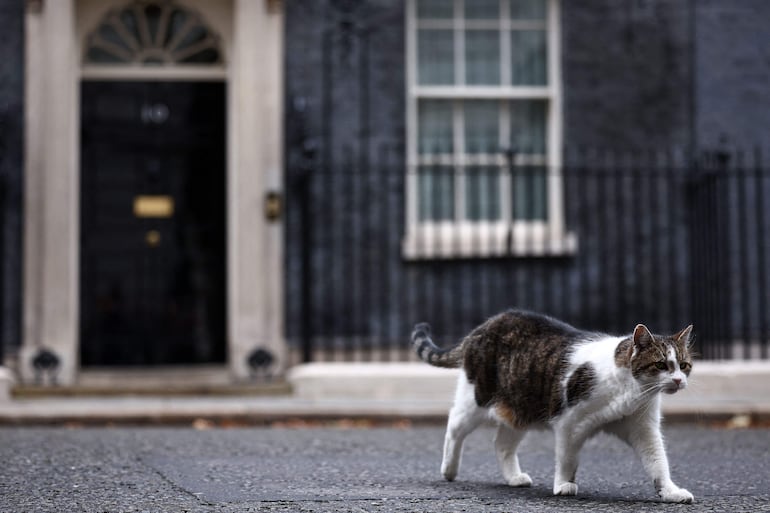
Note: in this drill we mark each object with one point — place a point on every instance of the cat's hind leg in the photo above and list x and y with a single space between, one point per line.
506 442
464 417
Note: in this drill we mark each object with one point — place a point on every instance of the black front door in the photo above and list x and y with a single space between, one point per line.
152 264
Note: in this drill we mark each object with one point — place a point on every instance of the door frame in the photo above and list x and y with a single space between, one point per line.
252 35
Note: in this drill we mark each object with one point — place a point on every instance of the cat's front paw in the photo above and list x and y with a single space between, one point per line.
520 480
449 471
678 495
565 488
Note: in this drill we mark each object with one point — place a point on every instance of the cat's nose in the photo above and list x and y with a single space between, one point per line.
678 381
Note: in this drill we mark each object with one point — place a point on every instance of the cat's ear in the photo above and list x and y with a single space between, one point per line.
684 337
642 336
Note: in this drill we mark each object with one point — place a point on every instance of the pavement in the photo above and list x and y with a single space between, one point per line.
735 392
359 438
392 469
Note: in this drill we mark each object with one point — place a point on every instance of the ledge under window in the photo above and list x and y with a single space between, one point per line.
448 240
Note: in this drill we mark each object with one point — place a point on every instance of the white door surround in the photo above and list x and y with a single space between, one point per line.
252 40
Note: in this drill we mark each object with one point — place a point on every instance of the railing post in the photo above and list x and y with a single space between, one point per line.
761 213
304 204
695 222
510 158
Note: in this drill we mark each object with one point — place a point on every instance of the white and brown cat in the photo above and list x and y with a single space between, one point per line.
525 370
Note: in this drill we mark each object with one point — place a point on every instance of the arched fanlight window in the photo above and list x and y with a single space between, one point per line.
152 32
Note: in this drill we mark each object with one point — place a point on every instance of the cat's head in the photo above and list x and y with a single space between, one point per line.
661 362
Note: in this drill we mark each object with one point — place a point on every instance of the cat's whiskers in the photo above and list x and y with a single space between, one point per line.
651 389
647 393
649 402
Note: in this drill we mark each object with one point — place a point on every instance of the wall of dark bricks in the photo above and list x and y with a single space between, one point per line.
733 73
11 169
637 76
626 74
685 76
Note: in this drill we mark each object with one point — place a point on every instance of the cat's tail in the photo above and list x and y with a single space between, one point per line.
430 352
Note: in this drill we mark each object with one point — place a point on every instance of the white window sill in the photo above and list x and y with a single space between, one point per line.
437 241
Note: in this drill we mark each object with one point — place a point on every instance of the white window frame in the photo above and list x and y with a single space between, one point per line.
461 238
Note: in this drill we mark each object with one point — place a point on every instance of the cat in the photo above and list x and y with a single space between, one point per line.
526 370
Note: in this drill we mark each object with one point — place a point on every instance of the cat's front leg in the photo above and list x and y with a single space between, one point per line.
643 434
569 441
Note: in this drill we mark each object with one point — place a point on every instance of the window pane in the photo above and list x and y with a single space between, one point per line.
482 126
434 127
129 21
482 57
529 193
528 57
528 9
436 189
109 34
435 9
96 54
482 9
153 13
482 193
528 126
435 57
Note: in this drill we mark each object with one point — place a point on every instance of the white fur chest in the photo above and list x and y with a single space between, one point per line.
615 393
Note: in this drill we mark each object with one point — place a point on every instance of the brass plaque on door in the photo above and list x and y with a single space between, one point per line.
153 206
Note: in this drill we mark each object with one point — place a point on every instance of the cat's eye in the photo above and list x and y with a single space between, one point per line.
661 365
684 365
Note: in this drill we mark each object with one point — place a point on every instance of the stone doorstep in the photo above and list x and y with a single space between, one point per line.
188 380
711 383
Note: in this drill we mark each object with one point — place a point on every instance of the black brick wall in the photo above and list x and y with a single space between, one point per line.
11 178
345 83
667 74
626 73
628 84
733 80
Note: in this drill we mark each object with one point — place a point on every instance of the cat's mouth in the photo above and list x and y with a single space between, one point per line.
673 388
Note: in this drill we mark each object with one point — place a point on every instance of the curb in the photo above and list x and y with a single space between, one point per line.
245 411
235 410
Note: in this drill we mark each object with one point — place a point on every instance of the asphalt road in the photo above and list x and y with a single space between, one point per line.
110 470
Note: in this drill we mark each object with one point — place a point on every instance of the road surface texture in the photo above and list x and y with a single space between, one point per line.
391 469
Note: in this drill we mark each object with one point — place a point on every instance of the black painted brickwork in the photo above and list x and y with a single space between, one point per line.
11 177
626 74
733 63
628 83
